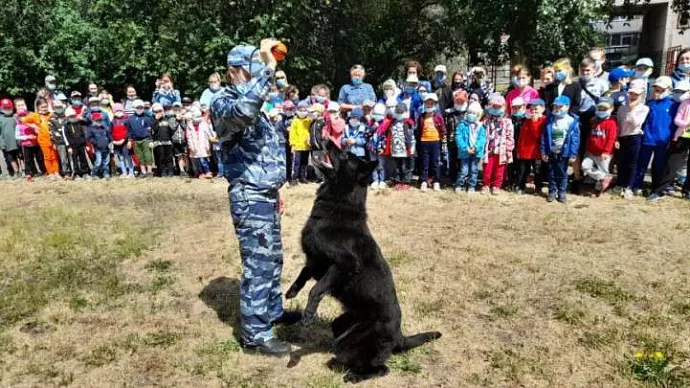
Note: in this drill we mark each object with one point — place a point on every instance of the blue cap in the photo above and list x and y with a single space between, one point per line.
618 73
246 57
561 100
537 102
357 113
166 104
303 104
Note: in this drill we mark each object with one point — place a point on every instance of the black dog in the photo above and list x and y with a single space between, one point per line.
347 264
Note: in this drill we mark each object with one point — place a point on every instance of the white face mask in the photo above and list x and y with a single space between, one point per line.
301 114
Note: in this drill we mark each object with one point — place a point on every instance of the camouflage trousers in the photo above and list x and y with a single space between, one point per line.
257 226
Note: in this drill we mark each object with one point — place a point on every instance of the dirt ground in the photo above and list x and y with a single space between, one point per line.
134 283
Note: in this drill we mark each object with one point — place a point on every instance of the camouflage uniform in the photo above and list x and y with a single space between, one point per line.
254 165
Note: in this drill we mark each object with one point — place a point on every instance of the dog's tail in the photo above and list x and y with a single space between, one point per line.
412 341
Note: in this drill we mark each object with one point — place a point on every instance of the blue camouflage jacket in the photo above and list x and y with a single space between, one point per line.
253 157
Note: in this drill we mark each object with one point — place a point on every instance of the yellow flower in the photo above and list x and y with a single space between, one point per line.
639 355
659 355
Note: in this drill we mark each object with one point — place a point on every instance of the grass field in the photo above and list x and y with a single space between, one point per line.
134 283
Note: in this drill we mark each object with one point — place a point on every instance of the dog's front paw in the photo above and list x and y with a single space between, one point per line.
308 317
291 293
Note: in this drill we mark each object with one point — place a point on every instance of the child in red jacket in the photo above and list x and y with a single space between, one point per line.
600 145
528 154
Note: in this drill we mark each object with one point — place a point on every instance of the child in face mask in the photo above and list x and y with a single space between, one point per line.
618 85
57 136
431 128
560 143
100 138
75 132
658 130
120 136
299 143
643 70
390 90
499 144
452 117
41 121
335 124
376 145
528 148
631 119
166 91
76 102
517 117
600 146
283 128
470 138
398 144
8 139
198 139
354 137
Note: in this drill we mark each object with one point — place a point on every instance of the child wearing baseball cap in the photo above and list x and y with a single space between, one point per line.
431 131
630 118
470 137
499 144
600 145
560 143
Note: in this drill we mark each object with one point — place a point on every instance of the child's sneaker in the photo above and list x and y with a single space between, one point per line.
437 186
520 192
686 196
383 185
551 197
638 192
627 194
654 197
606 183
375 185
485 190
424 187
618 190
562 198
471 190
495 191
459 190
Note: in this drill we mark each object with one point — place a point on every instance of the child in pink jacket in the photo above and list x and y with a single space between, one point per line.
499 144
199 143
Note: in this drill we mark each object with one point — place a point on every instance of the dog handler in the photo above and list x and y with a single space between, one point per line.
254 165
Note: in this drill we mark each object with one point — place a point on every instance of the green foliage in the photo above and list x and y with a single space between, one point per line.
115 42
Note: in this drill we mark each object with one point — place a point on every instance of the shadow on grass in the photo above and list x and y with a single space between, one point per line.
222 295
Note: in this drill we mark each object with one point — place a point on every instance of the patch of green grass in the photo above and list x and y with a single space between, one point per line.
159 265
572 315
482 294
331 380
425 308
78 302
161 339
67 256
503 311
400 257
7 345
101 355
606 290
405 362
654 369
160 283
681 308
598 340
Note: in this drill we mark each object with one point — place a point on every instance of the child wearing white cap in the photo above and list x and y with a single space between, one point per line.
470 138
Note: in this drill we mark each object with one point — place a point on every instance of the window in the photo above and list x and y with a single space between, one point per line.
615 40
626 40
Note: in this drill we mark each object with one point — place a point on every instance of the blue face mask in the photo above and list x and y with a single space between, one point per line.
561 76
440 79
514 81
377 118
430 110
354 123
399 117
684 67
560 113
96 109
495 112
390 112
519 114
603 114
471 117
320 99
357 81
410 90
280 83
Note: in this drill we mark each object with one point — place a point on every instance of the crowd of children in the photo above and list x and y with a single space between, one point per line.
605 127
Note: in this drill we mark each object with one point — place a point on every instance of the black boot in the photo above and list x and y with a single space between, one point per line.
288 318
272 347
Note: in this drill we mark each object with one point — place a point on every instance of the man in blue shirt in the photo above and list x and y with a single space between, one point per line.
356 92
254 165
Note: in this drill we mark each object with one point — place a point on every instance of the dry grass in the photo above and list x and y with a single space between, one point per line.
134 284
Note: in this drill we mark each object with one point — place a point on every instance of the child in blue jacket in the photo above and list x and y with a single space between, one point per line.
100 137
658 130
560 143
354 137
470 138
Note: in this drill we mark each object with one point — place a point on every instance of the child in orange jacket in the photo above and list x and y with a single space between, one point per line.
41 122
